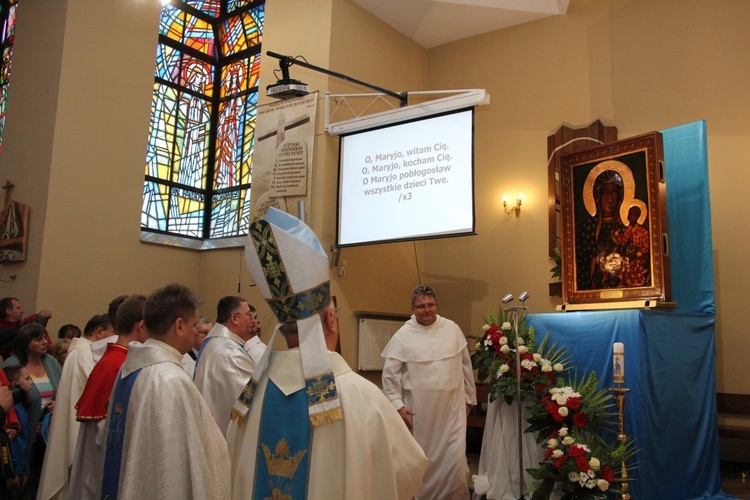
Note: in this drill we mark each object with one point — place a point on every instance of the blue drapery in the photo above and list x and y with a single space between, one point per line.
669 356
670 410
689 218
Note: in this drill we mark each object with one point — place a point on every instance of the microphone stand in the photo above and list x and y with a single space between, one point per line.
514 312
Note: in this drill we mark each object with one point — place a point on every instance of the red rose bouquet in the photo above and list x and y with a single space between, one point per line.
498 352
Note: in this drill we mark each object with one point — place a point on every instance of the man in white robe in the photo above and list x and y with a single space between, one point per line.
354 445
428 378
64 428
162 441
223 366
188 359
91 407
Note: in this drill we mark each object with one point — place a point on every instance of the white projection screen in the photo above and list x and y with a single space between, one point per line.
407 181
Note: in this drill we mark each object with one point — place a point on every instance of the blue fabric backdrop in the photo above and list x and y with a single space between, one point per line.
689 217
670 410
669 356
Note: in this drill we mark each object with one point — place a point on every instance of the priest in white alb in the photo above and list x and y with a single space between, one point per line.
91 408
64 428
162 441
223 366
306 425
428 377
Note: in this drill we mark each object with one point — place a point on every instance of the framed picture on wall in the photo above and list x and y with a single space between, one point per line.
14 226
615 239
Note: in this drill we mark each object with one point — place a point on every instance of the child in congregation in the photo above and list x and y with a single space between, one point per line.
19 376
59 349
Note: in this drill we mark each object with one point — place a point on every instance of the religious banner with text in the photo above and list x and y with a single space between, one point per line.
282 160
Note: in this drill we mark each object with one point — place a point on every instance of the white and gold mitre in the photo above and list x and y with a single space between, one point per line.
290 268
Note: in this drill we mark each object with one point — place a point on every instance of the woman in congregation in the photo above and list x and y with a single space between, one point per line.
30 350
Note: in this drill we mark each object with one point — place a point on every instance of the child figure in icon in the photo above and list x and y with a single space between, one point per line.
634 244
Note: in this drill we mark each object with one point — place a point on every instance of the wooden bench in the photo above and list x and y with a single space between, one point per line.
733 405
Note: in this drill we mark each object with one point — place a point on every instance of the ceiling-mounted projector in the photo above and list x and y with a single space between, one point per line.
287 88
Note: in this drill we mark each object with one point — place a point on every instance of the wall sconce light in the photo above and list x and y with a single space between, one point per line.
516 208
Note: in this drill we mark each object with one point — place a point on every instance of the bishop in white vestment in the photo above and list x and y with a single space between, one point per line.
306 425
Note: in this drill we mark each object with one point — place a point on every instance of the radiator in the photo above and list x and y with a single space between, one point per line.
374 334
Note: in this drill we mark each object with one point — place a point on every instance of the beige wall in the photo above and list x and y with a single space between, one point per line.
638 65
342 37
78 117
81 93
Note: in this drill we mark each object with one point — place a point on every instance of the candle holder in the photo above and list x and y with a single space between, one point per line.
618 393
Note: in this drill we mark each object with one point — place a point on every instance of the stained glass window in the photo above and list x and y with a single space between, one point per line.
8 19
200 147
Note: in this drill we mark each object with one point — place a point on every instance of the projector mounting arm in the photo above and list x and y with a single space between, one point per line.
286 61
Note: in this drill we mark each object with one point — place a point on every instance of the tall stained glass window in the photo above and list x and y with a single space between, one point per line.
8 19
200 146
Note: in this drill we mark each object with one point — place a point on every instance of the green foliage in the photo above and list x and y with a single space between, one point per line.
557 270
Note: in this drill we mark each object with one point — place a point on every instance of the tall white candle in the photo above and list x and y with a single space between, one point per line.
618 362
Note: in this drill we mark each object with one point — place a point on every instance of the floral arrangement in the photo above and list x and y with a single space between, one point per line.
578 462
567 418
496 355
584 407
577 469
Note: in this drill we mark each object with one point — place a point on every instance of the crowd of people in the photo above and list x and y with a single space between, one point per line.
153 400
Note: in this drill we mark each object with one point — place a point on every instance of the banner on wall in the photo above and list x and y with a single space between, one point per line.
282 160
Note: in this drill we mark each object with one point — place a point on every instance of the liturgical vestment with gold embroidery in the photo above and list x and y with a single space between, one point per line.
370 455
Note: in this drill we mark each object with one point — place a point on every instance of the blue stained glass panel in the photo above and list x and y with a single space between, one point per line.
210 7
242 31
186 29
155 206
186 212
8 19
234 142
183 152
191 147
230 214
162 133
233 5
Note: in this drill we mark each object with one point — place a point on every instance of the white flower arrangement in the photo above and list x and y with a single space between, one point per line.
507 352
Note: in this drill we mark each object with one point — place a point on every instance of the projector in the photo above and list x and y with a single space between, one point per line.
287 89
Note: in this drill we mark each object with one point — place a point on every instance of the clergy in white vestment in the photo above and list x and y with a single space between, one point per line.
306 425
188 359
162 441
428 378
223 366
64 428
91 407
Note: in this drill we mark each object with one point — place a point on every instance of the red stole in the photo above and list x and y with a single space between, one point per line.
93 402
